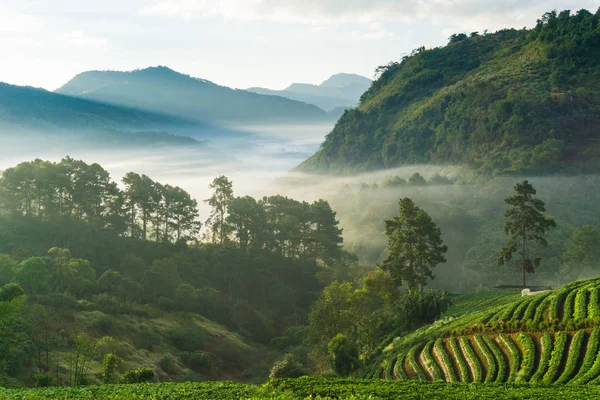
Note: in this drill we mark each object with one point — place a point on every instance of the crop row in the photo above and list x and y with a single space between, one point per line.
490 361
591 354
528 364
442 355
560 342
544 361
558 359
573 358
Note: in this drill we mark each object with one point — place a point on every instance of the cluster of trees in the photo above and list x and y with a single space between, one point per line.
73 189
288 227
349 320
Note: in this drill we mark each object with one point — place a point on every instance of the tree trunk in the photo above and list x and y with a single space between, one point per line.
523 258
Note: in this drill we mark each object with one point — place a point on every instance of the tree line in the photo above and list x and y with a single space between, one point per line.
149 210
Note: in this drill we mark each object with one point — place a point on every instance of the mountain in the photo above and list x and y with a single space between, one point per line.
160 89
339 91
512 102
37 111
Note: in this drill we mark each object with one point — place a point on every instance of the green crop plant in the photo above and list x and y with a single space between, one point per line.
528 348
472 360
490 360
414 364
560 342
591 353
573 358
463 369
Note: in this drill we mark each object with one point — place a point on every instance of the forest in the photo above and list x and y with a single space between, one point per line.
511 102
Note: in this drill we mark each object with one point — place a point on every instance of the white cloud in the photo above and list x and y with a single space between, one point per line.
463 14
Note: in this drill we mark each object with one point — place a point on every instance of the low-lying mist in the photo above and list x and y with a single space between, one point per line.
468 211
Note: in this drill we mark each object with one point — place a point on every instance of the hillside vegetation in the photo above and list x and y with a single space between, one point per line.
551 338
160 89
510 102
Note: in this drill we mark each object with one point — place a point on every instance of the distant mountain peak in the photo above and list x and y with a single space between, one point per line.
162 89
345 79
340 91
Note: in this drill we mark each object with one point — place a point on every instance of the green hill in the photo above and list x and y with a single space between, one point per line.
160 89
510 102
27 110
552 338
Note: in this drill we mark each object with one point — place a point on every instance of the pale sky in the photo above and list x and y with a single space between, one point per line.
239 43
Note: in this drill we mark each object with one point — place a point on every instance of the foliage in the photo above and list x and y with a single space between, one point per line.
343 355
508 103
287 367
525 224
414 245
109 367
139 375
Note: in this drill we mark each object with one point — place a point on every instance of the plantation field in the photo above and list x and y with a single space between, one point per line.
548 338
309 388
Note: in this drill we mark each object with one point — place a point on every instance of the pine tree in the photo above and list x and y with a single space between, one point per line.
525 224
414 244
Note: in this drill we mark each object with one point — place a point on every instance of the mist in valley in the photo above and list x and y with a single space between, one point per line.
468 210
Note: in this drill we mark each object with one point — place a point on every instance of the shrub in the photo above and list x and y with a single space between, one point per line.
287 367
188 339
10 291
343 355
139 375
109 367
43 380
591 353
501 365
199 361
167 363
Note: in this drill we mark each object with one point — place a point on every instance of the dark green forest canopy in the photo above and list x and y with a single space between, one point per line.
511 102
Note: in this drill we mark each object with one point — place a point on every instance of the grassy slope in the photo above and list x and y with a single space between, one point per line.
142 337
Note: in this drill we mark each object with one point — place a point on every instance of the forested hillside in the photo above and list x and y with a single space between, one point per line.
511 102
53 117
98 280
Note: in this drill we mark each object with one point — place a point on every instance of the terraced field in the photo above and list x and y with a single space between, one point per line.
549 338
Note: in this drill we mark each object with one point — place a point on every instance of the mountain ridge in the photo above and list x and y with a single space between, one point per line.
339 90
170 92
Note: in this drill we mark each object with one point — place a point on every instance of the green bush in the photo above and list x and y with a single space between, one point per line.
343 355
167 363
139 375
198 361
43 380
187 338
287 367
